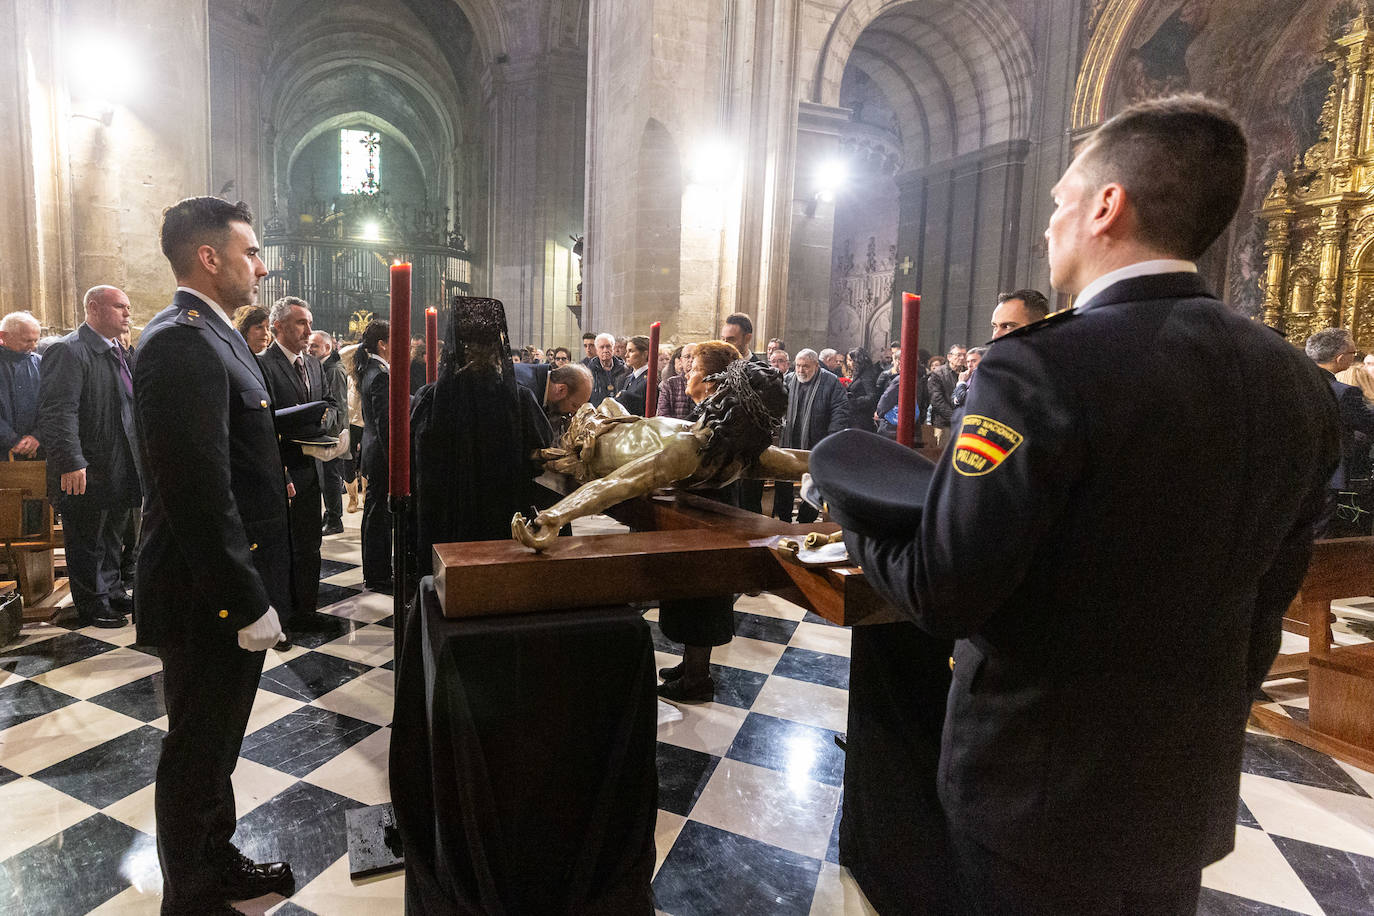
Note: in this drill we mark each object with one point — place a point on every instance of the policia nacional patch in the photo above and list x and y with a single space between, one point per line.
983 444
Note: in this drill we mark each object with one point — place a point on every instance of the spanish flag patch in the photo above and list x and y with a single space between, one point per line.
983 444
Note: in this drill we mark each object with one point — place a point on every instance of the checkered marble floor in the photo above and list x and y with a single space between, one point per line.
749 785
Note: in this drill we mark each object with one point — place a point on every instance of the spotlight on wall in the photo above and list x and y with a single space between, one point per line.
101 71
831 177
372 232
712 163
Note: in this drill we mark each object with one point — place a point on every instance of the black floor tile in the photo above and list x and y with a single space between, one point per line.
737 687
7 776
310 676
832 849
768 629
1219 903
661 642
387 622
143 699
815 667
1341 882
1244 818
333 594
1296 712
304 740
710 872
292 909
320 629
682 774
72 872
45 655
789 747
1266 755
330 567
108 772
304 825
25 700
817 618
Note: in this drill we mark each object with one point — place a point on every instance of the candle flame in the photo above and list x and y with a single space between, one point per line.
432 310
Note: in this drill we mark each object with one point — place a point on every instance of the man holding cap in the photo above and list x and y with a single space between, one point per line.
1113 552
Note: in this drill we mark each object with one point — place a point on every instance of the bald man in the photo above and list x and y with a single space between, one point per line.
86 425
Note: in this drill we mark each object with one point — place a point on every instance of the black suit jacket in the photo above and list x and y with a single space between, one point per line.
1114 551
284 386
85 420
215 550
1357 429
634 392
940 385
534 378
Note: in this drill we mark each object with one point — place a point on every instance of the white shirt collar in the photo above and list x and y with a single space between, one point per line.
214 306
640 371
386 364
290 357
1131 271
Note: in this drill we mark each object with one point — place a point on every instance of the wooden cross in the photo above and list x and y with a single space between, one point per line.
906 265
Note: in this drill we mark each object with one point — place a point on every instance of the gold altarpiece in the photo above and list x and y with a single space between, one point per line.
1319 239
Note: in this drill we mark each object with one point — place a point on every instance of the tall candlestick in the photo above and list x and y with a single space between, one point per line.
399 441
651 393
431 344
906 380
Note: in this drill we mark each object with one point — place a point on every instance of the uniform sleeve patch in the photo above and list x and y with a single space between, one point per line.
983 444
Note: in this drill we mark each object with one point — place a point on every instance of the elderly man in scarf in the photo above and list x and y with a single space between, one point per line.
816 407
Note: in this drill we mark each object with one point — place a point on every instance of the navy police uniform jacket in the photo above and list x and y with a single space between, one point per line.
1112 537
1357 429
215 550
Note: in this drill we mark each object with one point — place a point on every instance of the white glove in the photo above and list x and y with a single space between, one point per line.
262 634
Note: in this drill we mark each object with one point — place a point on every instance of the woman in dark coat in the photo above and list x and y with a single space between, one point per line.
863 389
372 372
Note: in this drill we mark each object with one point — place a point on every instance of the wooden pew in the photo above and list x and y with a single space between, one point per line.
29 549
1340 679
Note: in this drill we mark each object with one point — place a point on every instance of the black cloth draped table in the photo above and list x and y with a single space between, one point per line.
522 761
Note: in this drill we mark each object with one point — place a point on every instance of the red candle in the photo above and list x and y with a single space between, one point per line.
431 344
651 393
906 380
399 442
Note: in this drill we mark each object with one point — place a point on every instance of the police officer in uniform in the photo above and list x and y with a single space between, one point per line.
1112 549
215 561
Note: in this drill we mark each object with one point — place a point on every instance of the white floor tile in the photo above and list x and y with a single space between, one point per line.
255 784
369 696
1257 870
749 654
800 701
838 894
93 676
268 707
789 812
706 727
769 605
1310 814
136 810
131 902
360 772
371 645
666 828
368 607
821 638
34 812
40 742
349 578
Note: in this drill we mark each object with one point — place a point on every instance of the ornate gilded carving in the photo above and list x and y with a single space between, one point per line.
1320 216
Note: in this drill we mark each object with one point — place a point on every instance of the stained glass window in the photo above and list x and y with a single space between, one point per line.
360 162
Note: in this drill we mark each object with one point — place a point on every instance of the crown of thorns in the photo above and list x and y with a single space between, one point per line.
735 381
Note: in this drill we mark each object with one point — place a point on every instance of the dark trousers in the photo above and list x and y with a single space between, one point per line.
332 487
305 541
94 541
209 690
376 532
996 886
783 496
751 495
128 551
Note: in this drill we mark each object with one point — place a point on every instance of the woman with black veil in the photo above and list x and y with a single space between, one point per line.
474 432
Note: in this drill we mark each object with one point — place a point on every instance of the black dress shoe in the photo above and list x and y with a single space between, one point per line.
284 644
336 528
104 618
122 604
244 879
688 690
671 674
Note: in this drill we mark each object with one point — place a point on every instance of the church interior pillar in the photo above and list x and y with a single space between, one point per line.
815 186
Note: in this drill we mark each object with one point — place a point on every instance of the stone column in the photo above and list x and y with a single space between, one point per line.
1330 233
812 233
239 148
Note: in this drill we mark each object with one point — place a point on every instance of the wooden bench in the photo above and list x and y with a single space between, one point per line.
29 545
1340 679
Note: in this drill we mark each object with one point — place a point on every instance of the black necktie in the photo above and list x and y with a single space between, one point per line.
305 379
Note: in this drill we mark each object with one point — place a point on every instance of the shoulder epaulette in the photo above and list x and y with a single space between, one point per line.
191 317
1052 318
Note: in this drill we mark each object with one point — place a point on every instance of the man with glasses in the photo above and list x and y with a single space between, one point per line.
561 356
1333 350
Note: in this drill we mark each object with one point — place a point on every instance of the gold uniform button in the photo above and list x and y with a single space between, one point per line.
252 546
951 663
223 614
264 403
